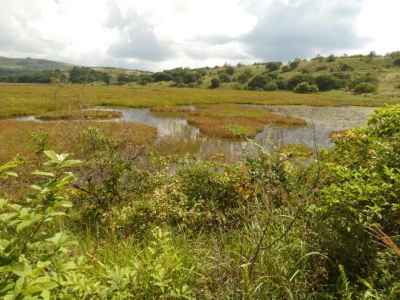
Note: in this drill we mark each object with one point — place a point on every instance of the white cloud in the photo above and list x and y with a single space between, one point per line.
163 34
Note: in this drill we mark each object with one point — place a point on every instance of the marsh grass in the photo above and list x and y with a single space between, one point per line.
22 100
229 121
80 115
16 137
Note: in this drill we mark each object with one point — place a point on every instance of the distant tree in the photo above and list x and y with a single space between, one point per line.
245 76
258 82
331 58
327 82
305 87
162 76
224 77
229 70
86 75
296 79
122 78
364 78
365 88
144 79
294 64
396 62
282 83
215 83
271 86
345 67
273 66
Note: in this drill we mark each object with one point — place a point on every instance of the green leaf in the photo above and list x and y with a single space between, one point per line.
44 174
51 155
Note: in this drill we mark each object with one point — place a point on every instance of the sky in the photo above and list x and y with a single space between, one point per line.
163 34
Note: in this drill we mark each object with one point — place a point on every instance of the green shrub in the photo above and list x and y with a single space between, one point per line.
229 70
294 64
224 77
331 58
271 86
305 87
396 62
365 88
245 76
215 83
360 192
327 82
296 79
273 66
37 260
258 82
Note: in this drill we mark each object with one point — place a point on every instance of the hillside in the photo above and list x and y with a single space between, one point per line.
359 74
377 74
31 64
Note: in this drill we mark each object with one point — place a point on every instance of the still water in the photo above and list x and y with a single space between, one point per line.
321 122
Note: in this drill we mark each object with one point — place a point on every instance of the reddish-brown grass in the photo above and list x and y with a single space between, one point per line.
229 121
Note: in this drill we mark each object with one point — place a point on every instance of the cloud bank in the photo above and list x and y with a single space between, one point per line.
156 34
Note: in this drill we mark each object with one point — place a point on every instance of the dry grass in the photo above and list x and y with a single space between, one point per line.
297 150
16 137
229 121
337 135
80 115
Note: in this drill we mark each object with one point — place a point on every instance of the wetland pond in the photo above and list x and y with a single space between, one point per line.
321 122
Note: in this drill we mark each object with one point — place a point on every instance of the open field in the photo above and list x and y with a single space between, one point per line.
20 100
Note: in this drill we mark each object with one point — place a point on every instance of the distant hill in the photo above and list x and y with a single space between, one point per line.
360 74
32 64
118 71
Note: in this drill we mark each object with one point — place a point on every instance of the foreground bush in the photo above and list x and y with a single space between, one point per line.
277 225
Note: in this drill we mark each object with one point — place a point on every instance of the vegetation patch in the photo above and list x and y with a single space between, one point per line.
270 226
80 115
23 100
296 150
27 138
230 121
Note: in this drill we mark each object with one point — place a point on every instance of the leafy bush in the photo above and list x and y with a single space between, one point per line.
37 259
360 192
305 87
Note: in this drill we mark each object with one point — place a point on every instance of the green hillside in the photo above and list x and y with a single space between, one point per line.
31 64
